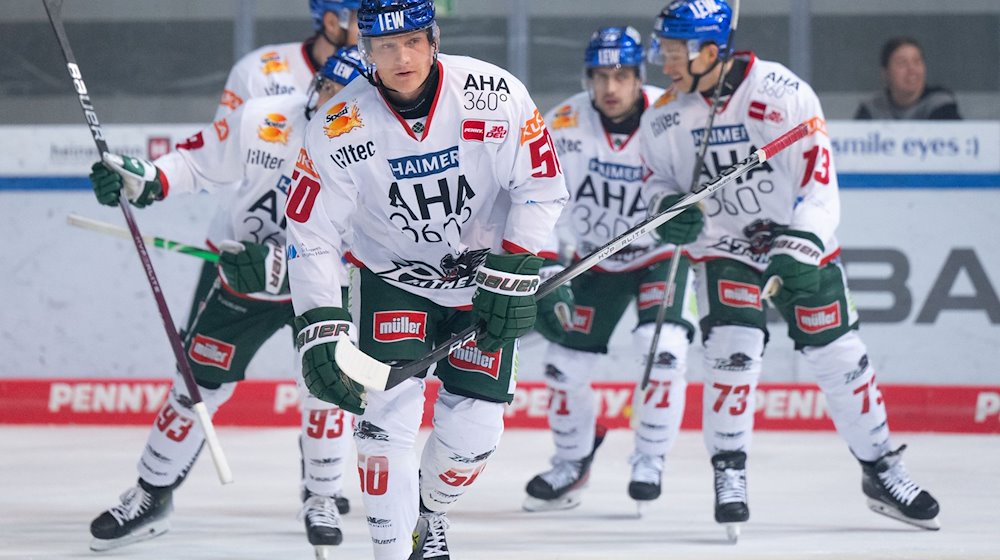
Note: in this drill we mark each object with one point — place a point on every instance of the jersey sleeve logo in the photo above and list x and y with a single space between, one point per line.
230 99
271 62
761 112
665 98
565 117
221 129
274 129
340 119
533 128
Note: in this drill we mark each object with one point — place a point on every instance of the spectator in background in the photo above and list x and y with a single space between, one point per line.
906 94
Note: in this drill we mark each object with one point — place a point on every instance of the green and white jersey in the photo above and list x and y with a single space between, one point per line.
426 199
605 177
797 189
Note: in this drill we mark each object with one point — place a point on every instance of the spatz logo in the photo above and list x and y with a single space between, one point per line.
739 294
394 326
651 294
208 351
477 130
274 129
818 319
340 119
470 358
272 62
583 319
565 117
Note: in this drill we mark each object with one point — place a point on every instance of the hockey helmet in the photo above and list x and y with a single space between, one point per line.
382 18
343 9
343 66
613 47
697 22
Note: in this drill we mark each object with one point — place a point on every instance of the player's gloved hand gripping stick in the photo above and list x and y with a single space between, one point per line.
376 375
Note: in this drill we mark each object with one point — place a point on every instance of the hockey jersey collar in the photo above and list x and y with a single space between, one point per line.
746 72
430 114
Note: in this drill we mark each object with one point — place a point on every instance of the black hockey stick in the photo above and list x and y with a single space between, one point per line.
376 375
669 287
54 9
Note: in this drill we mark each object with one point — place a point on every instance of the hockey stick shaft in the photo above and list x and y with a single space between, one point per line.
54 8
372 373
159 242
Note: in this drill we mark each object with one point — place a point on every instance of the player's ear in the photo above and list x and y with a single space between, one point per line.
331 24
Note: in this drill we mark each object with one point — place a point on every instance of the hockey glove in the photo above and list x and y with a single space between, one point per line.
794 259
257 267
318 335
555 311
505 298
682 228
142 181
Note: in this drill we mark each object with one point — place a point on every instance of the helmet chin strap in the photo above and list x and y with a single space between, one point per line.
697 77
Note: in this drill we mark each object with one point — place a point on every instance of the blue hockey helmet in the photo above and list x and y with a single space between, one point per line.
343 66
378 18
697 22
343 9
614 47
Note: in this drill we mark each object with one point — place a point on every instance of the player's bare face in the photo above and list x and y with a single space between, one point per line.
403 62
675 64
615 90
905 75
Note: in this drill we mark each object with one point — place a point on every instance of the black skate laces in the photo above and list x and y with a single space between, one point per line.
135 501
437 524
731 485
896 479
320 511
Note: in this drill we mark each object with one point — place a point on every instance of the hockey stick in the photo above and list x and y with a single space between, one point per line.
670 288
376 375
54 8
117 231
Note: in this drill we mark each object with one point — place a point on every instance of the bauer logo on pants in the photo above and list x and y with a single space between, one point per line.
817 319
470 358
394 326
739 294
208 351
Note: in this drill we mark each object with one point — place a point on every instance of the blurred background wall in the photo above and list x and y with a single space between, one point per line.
166 61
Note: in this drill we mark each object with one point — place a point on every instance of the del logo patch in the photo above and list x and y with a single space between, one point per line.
739 294
476 130
208 351
818 319
341 119
393 326
470 358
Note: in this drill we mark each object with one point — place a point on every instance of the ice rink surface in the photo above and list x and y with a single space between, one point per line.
805 501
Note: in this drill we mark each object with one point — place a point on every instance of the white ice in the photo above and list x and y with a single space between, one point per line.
805 501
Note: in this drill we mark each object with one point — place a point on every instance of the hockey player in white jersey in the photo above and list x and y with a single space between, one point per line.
778 221
238 304
442 169
595 133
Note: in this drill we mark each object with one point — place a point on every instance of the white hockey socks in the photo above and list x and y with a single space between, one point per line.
663 403
466 433
572 406
733 362
855 403
176 438
326 445
387 467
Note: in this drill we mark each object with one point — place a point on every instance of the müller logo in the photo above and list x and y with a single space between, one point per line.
818 319
470 358
394 326
739 294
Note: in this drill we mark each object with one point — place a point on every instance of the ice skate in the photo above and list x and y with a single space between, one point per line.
644 486
731 509
144 513
560 487
429 541
893 494
322 524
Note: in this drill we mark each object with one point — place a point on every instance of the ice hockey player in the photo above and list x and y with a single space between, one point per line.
595 133
442 169
239 305
778 221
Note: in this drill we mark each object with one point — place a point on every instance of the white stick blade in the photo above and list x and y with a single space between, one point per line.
360 366
212 440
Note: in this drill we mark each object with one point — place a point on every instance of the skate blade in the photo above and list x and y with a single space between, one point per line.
640 508
144 533
732 532
568 501
893 513
323 551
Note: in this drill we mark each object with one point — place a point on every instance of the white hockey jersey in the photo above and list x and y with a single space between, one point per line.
605 175
483 176
269 70
256 148
797 189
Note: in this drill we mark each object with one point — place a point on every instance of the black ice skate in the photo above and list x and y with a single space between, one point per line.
731 509
560 487
322 524
891 492
644 486
144 513
429 541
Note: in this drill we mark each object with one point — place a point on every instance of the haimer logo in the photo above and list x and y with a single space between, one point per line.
423 165
722 135
616 171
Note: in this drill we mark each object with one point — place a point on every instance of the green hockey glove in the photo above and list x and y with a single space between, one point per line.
794 259
318 335
142 181
256 268
505 298
555 311
682 228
